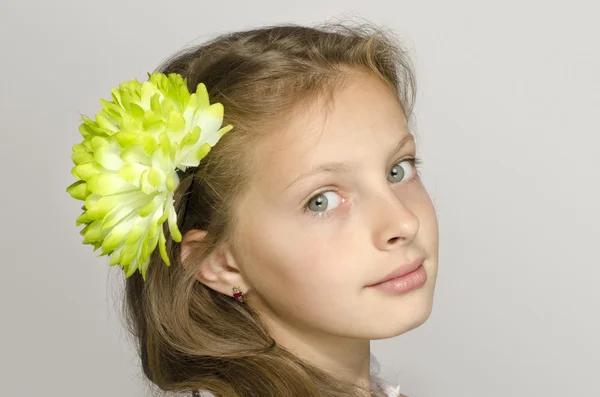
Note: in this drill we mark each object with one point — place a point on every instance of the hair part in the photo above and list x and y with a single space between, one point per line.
189 336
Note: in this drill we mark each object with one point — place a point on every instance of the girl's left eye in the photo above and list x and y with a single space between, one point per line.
398 172
322 204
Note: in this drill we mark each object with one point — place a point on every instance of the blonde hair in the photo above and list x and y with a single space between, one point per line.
189 336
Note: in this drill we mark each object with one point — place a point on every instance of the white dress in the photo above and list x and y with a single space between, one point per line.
390 389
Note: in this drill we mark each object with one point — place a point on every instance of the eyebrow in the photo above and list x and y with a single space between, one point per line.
344 168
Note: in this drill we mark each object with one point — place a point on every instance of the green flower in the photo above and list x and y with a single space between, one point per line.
127 162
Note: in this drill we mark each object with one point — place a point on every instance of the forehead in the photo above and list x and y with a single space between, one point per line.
360 118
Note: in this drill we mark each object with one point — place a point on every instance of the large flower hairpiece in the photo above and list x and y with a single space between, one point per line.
128 160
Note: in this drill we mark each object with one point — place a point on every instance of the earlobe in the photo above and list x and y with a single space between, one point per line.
218 270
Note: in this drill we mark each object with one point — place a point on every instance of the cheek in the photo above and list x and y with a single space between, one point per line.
420 203
428 223
291 276
285 257
273 251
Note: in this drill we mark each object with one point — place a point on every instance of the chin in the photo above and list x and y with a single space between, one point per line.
417 318
407 315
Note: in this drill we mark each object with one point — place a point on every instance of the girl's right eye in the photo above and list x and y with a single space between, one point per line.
323 202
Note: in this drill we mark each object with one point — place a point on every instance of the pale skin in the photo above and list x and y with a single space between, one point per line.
310 248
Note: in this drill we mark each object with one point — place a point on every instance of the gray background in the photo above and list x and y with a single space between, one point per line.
507 116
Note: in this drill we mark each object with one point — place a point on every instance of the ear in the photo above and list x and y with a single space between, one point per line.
218 270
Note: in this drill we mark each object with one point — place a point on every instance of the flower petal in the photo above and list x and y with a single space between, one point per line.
78 190
88 170
109 155
116 236
175 233
108 183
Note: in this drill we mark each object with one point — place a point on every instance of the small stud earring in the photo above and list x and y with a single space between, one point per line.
238 294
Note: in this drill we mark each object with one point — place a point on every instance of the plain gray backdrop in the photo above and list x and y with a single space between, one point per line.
508 125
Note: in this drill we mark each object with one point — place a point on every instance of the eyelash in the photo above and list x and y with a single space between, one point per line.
414 161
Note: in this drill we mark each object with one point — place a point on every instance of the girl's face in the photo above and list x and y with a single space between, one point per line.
337 205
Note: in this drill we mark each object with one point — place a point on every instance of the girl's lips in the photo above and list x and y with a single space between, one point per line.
405 283
401 271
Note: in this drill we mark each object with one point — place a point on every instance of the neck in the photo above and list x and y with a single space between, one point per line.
345 358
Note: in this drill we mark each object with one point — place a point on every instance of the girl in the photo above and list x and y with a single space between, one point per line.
306 231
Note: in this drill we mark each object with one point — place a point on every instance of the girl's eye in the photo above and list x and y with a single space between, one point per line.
398 172
322 202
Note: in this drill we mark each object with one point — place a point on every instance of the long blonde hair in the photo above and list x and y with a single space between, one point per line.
189 336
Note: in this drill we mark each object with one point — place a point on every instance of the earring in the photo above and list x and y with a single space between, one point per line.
238 294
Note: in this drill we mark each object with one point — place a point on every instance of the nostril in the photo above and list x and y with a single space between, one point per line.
392 240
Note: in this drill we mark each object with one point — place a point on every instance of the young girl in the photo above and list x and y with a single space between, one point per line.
290 237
